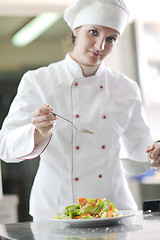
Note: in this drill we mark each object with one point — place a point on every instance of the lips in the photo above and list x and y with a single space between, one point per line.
95 54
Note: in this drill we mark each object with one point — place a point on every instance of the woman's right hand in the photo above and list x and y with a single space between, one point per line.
44 120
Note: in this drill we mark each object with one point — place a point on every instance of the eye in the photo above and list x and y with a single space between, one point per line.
93 32
111 39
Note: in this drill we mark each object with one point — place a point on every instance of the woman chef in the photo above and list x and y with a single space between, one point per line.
82 89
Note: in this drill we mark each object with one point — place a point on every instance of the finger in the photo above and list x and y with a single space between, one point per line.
155 153
43 124
149 155
42 110
149 148
46 108
157 162
42 121
43 118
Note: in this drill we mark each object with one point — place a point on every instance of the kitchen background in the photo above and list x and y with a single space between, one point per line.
137 55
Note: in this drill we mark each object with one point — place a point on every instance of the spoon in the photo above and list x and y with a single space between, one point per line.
77 128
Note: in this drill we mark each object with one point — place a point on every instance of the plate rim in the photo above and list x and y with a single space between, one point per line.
127 213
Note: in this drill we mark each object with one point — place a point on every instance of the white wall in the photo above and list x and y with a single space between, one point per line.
123 57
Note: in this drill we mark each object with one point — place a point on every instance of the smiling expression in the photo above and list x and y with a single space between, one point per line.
93 44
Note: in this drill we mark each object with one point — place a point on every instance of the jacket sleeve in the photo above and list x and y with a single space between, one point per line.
17 133
137 136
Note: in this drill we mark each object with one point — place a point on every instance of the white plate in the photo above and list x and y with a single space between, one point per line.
96 222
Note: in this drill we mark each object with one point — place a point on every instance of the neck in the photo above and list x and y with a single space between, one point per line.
88 70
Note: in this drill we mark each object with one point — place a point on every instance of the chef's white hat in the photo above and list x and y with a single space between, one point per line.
108 13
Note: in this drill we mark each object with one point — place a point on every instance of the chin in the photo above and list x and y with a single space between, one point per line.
94 63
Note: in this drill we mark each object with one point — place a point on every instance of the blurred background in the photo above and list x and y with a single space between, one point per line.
137 55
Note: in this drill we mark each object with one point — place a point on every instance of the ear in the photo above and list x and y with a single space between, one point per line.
75 32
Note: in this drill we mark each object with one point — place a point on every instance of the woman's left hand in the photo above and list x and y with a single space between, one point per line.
154 153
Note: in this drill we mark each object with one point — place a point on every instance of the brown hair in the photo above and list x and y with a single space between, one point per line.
73 38
67 43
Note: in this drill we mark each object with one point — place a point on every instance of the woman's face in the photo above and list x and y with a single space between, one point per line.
93 44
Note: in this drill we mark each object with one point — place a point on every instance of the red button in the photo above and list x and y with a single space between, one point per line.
77 147
103 146
101 86
100 176
104 116
75 84
77 116
76 179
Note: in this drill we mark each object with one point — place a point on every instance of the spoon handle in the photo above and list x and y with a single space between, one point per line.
63 118
77 128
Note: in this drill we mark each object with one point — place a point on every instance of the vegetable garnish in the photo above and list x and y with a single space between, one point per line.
88 208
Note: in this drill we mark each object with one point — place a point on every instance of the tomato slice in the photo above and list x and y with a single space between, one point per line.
111 207
82 200
109 213
77 217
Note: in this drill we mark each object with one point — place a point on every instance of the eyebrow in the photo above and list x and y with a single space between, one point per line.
95 28
114 35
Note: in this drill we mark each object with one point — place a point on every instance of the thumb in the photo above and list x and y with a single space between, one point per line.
149 148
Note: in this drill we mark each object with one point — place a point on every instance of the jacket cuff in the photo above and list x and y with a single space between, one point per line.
37 150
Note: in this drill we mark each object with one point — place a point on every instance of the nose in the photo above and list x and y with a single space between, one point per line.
100 44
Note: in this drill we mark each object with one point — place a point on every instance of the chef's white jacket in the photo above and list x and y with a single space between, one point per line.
74 164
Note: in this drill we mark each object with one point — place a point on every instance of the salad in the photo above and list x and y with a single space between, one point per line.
88 208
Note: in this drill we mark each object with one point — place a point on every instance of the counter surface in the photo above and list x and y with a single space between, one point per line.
139 227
